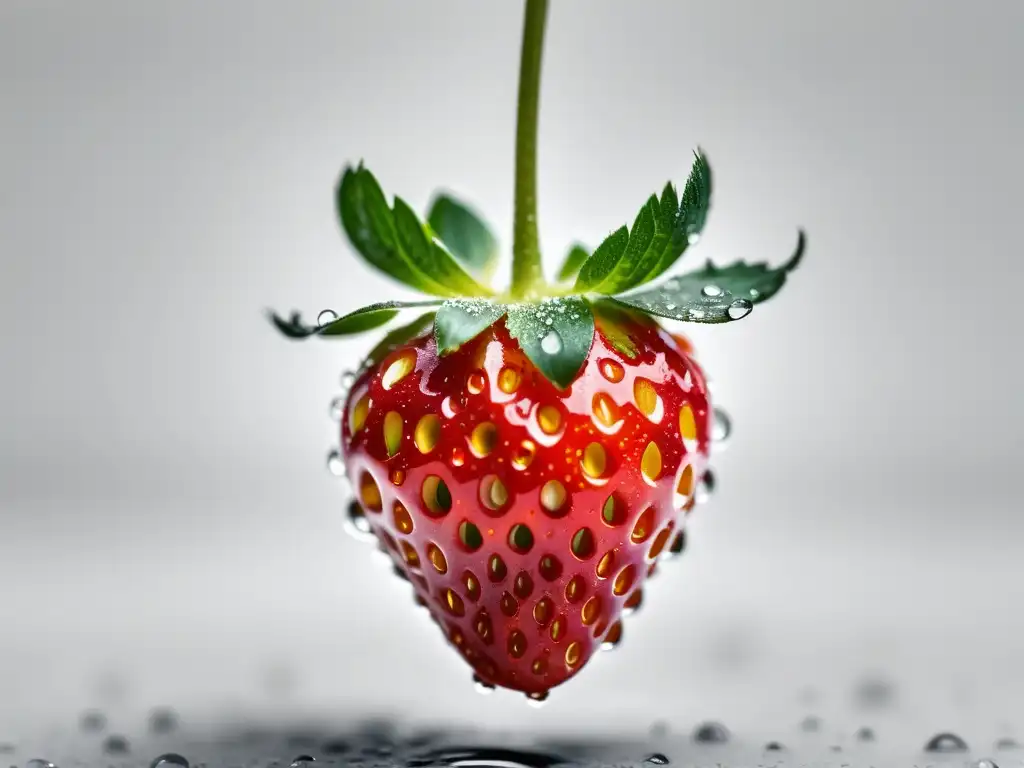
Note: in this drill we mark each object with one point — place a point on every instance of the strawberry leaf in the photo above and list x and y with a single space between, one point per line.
364 319
661 233
395 241
459 320
465 235
555 334
398 337
715 294
573 261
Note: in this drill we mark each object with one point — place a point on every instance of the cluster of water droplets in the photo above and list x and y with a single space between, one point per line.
675 299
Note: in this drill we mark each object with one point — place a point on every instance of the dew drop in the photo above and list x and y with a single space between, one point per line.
697 314
946 743
169 759
865 734
92 721
721 426
810 724
348 378
711 733
302 761
537 699
337 408
551 343
693 238
334 463
356 524
657 759
326 316
163 720
739 309
711 290
984 763
39 763
773 746
1006 743
116 745
706 487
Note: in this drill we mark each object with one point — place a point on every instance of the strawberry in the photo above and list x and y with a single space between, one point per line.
526 458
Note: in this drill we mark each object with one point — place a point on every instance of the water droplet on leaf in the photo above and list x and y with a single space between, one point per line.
326 316
551 343
693 238
739 309
711 290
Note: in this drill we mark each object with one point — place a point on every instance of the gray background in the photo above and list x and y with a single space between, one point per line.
167 168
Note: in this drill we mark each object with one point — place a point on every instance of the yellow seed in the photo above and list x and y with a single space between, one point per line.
369 493
624 580
524 456
549 418
410 555
399 368
508 380
483 439
437 558
552 495
557 629
591 610
360 410
493 493
436 496
685 486
594 460
605 565
428 432
472 585
605 410
687 424
403 521
647 399
650 463
392 431
572 654
455 605
611 370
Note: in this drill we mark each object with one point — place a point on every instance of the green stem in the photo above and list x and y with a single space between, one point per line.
527 272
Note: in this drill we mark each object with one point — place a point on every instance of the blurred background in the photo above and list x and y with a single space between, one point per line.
168 531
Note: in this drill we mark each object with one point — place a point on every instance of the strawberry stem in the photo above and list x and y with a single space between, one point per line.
527 272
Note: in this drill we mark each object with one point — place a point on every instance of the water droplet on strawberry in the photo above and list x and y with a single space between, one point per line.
334 463
721 427
356 523
739 309
706 487
337 408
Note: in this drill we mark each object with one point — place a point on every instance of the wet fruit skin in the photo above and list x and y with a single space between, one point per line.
527 517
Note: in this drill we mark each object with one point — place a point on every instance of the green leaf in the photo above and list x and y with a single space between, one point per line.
459 320
661 233
555 334
465 234
398 337
573 261
364 319
395 241
715 294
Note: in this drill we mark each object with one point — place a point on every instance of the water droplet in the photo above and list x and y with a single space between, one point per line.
356 523
326 316
334 463
93 721
985 763
811 724
1006 743
39 763
537 699
865 734
482 686
169 759
739 309
945 742
656 759
693 238
711 733
551 343
773 746
337 408
348 378
116 745
874 693
303 761
711 290
163 720
706 487
697 314
721 426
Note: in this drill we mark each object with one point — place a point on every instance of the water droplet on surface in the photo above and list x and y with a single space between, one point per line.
711 290
711 733
163 720
303 761
693 238
945 742
706 487
334 463
721 426
773 746
811 724
865 734
116 745
93 721
169 759
6 748
326 316
1006 743
39 763
984 763
551 343
739 309
874 693
657 759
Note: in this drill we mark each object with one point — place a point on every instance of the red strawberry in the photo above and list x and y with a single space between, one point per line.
526 517
527 461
